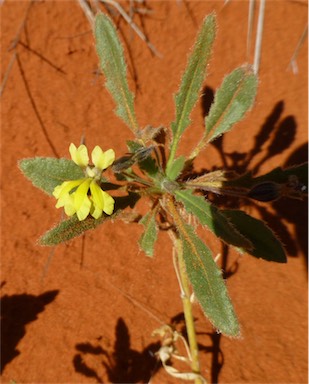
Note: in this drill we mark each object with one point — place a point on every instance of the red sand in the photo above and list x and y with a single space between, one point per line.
88 315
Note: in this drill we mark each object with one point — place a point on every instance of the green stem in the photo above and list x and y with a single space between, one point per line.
185 291
172 152
187 307
198 148
137 179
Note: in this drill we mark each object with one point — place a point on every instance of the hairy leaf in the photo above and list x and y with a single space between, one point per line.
113 65
265 243
72 227
175 168
212 217
149 236
206 278
232 100
192 80
46 173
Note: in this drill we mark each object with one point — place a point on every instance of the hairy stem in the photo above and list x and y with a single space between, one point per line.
172 152
185 296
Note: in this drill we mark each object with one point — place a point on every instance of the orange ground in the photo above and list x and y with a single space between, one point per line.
84 312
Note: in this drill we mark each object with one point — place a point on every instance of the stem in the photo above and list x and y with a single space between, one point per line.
187 307
199 147
258 40
172 152
185 291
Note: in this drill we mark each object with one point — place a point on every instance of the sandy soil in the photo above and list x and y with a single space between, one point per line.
84 311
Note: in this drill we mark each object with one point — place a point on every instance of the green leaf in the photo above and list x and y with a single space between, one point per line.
192 80
72 227
265 243
46 173
212 217
113 65
208 284
175 168
133 146
232 100
205 277
149 236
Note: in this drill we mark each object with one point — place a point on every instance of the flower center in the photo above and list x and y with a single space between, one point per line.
93 172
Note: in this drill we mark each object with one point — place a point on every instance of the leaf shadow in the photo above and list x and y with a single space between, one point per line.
16 312
293 211
275 136
126 365
123 364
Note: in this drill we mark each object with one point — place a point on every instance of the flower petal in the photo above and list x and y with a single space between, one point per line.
102 160
60 203
109 203
84 209
69 207
57 190
97 155
79 155
97 195
81 193
66 187
96 212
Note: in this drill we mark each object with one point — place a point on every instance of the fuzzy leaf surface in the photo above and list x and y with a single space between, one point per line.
68 229
232 100
265 243
192 79
176 167
110 52
46 172
149 237
212 217
72 227
207 282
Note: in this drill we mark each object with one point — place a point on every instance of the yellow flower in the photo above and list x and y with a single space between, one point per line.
84 196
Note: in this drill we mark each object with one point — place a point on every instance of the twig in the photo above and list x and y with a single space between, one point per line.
87 10
13 47
58 69
258 40
90 16
36 111
127 18
250 26
21 27
292 63
7 73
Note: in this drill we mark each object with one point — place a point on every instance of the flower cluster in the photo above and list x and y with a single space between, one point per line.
85 196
